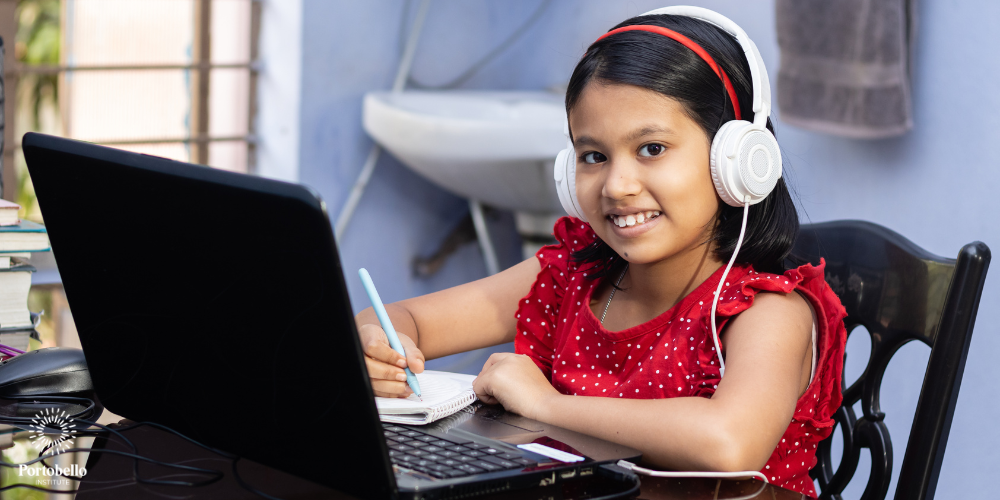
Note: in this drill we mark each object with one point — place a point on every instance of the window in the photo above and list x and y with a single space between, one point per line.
171 78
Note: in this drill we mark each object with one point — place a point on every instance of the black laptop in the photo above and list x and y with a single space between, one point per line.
214 303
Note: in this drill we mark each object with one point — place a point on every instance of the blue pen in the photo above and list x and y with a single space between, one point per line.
390 332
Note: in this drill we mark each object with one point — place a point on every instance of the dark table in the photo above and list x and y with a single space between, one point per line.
109 477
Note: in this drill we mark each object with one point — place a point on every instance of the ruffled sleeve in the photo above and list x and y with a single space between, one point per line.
538 319
740 290
825 390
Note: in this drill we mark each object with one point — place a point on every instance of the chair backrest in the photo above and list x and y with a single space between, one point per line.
899 292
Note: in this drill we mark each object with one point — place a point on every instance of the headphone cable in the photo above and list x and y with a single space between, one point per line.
718 290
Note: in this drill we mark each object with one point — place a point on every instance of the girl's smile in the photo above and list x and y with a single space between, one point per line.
640 217
628 223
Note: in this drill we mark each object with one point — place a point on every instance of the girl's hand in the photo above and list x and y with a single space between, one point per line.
514 381
385 366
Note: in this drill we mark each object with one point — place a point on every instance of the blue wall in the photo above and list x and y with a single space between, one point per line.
930 185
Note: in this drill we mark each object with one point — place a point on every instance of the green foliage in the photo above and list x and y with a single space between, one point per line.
38 42
26 191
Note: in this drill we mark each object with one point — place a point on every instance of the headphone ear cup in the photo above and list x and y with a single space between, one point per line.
745 163
564 174
719 165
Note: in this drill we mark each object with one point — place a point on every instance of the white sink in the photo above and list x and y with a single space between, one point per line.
493 147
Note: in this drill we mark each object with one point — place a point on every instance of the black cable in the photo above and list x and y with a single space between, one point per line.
168 429
92 404
234 458
483 61
135 464
217 475
135 473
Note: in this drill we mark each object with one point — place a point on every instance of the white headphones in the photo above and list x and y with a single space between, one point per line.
745 159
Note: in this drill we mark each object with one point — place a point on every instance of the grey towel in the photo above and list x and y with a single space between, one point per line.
845 65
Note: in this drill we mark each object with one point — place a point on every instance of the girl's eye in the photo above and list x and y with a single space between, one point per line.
594 157
652 150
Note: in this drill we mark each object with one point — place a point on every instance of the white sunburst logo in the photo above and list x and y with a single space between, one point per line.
49 420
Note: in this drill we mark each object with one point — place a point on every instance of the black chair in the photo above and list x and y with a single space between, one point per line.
899 292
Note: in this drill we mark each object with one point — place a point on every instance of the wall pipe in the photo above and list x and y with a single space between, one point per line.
354 197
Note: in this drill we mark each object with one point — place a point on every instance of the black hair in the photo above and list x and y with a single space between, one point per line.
661 64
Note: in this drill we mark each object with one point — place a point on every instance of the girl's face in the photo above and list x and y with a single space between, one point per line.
642 173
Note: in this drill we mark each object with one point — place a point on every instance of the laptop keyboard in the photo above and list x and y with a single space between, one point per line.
446 458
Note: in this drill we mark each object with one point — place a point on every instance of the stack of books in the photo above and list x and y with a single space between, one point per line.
18 239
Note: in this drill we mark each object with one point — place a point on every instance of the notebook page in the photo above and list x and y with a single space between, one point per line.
435 389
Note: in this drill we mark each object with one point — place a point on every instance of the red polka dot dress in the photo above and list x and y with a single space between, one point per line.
673 355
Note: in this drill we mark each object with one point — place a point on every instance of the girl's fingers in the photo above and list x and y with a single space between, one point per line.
414 356
494 359
385 365
378 348
390 389
479 386
376 345
378 370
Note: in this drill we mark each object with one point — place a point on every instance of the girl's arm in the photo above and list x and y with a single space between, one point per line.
737 429
462 318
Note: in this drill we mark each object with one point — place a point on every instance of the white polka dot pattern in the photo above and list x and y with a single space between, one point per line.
678 344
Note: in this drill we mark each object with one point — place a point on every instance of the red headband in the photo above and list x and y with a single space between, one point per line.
687 42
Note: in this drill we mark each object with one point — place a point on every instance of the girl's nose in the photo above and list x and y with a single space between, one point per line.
622 181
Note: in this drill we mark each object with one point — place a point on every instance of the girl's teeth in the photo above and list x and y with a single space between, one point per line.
631 220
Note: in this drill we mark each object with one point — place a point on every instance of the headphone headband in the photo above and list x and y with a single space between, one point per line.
758 73
697 49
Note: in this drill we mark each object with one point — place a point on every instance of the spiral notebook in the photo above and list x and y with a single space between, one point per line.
443 393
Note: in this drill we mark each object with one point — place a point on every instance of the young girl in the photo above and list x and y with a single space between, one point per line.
613 324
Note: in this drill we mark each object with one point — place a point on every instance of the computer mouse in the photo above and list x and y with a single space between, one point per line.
50 371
